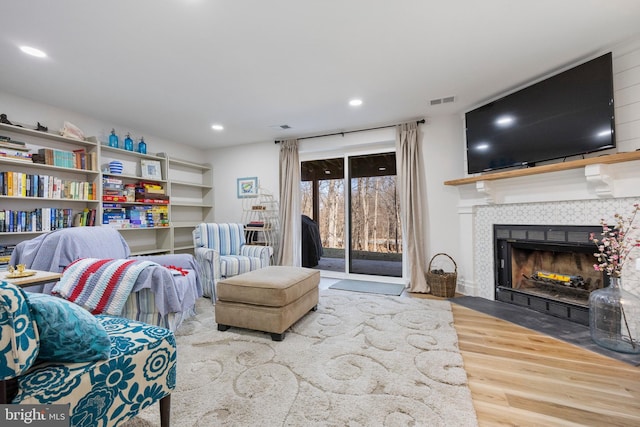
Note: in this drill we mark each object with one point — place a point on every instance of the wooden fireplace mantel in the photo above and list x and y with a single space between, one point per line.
556 167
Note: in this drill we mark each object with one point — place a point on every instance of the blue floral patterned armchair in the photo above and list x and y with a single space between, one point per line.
107 369
222 251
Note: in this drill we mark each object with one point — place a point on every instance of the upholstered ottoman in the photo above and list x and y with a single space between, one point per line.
270 299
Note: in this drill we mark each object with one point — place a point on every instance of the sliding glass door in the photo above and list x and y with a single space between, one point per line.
359 229
375 238
323 197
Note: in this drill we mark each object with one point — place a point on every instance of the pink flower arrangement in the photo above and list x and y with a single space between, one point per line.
616 243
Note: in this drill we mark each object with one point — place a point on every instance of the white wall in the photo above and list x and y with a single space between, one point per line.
442 153
575 197
260 160
442 147
25 111
626 85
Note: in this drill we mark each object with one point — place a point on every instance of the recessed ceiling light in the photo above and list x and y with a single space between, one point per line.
355 102
33 51
217 127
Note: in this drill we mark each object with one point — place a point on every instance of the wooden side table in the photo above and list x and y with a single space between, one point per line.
40 278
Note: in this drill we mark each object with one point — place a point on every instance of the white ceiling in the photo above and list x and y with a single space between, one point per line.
172 68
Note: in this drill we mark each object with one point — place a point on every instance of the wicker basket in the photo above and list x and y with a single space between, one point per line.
442 284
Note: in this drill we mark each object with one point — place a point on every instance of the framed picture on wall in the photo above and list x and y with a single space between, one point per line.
151 169
247 187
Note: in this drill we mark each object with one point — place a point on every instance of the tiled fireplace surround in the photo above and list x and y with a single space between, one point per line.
581 196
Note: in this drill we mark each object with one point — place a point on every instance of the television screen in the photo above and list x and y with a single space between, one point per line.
568 114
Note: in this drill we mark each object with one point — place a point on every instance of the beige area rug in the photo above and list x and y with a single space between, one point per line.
360 360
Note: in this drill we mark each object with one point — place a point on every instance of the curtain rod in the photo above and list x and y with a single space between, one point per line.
419 122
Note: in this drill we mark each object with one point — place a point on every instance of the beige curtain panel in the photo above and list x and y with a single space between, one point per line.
290 217
412 193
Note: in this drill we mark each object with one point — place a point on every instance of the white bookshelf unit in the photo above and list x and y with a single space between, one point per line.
189 186
141 240
191 190
42 196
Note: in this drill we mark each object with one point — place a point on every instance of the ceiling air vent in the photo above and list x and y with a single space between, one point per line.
280 127
445 100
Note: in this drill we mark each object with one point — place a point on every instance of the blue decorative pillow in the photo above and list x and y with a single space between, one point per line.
68 332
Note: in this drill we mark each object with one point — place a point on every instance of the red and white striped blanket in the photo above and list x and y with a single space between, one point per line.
100 285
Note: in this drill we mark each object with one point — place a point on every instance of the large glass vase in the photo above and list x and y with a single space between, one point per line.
614 318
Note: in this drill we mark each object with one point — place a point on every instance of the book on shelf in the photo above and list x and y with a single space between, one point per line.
111 180
47 155
21 184
86 218
151 185
7 250
109 186
40 219
117 223
80 158
113 193
16 156
14 145
153 201
4 138
93 161
150 188
143 194
112 198
159 191
5 256
76 159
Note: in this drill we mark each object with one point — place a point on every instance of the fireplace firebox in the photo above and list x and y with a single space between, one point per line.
547 268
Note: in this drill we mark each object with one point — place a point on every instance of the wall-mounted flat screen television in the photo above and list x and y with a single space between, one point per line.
568 114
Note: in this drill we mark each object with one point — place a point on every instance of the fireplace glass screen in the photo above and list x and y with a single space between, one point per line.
564 276
547 268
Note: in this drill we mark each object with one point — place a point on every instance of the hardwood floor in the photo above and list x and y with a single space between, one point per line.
519 377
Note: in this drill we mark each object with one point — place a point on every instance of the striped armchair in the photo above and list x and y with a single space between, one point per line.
221 251
158 297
